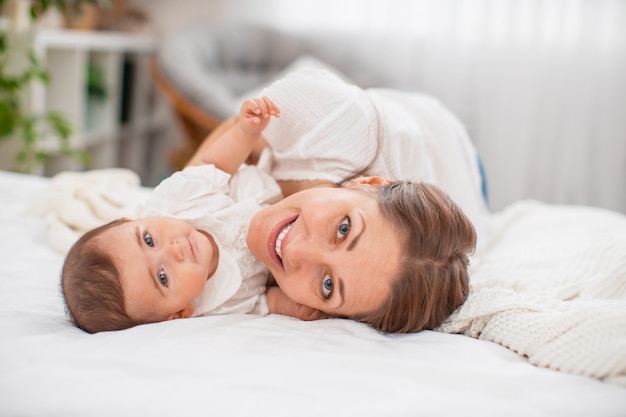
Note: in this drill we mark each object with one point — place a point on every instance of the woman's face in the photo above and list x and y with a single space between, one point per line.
328 248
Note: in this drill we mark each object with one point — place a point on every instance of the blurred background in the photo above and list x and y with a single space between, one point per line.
539 84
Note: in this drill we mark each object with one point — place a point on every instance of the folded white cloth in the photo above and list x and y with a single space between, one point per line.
76 202
551 286
586 337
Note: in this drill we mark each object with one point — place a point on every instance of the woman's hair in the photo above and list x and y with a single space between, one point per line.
433 279
91 288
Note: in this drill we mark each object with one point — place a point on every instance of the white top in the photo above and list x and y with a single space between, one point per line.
210 200
333 130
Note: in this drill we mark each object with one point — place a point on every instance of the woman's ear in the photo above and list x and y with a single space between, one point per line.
368 181
182 314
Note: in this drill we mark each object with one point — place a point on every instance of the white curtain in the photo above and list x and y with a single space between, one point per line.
540 84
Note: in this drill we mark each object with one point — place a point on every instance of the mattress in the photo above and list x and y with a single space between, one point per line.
246 365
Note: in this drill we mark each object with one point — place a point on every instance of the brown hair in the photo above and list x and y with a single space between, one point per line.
433 279
91 288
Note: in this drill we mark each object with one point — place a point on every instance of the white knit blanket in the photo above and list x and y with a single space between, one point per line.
551 286
76 202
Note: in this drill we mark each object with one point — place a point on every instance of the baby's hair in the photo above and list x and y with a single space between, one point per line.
438 238
91 288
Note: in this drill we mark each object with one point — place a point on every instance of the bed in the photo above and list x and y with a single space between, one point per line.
243 365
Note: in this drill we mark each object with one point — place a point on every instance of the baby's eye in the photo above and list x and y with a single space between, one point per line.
344 228
163 278
148 239
327 286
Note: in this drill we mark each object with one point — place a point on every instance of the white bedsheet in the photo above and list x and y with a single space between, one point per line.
243 365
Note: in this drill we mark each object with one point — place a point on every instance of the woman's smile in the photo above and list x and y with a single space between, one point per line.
279 240
277 234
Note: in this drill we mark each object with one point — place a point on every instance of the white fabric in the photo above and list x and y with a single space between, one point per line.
552 287
246 365
317 110
302 62
76 202
330 129
205 197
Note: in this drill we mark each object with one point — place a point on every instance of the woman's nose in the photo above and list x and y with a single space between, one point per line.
304 251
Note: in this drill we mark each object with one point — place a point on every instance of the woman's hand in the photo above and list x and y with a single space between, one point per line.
307 313
279 303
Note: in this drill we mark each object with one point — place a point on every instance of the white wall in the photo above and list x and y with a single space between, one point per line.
540 84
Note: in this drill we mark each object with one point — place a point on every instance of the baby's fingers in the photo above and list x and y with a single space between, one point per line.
264 107
271 107
251 107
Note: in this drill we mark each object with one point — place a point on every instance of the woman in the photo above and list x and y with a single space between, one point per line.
399 282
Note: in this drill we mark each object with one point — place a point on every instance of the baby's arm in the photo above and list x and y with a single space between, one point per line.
232 148
279 303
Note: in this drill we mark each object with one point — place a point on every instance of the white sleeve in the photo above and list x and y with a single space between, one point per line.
253 182
204 188
327 129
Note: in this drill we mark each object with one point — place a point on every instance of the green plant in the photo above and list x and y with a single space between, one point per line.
39 7
16 122
96 83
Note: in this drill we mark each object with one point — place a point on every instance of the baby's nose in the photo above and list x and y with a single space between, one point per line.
176 251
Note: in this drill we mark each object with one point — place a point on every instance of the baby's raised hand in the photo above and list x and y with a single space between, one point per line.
255 114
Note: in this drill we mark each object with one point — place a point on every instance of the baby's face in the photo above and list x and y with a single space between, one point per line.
164 264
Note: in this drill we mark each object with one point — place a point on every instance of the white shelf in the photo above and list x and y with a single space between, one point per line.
123 114
93 41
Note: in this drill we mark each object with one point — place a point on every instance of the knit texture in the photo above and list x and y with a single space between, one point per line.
76 202
551 286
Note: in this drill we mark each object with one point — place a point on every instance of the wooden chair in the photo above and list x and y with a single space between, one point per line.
195 122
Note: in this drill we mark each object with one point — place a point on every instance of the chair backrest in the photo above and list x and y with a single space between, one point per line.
195 123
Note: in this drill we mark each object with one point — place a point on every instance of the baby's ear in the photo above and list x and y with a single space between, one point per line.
371 181
182 314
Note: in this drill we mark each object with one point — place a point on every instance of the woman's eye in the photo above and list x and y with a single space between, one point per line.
344 228
327 287
148 239
163 278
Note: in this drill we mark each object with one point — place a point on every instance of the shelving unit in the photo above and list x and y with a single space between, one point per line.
119 128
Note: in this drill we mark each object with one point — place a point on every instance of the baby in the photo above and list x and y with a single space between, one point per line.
187 255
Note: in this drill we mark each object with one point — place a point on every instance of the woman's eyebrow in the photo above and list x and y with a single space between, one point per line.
354 241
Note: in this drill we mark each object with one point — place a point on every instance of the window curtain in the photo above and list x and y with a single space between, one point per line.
540 84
